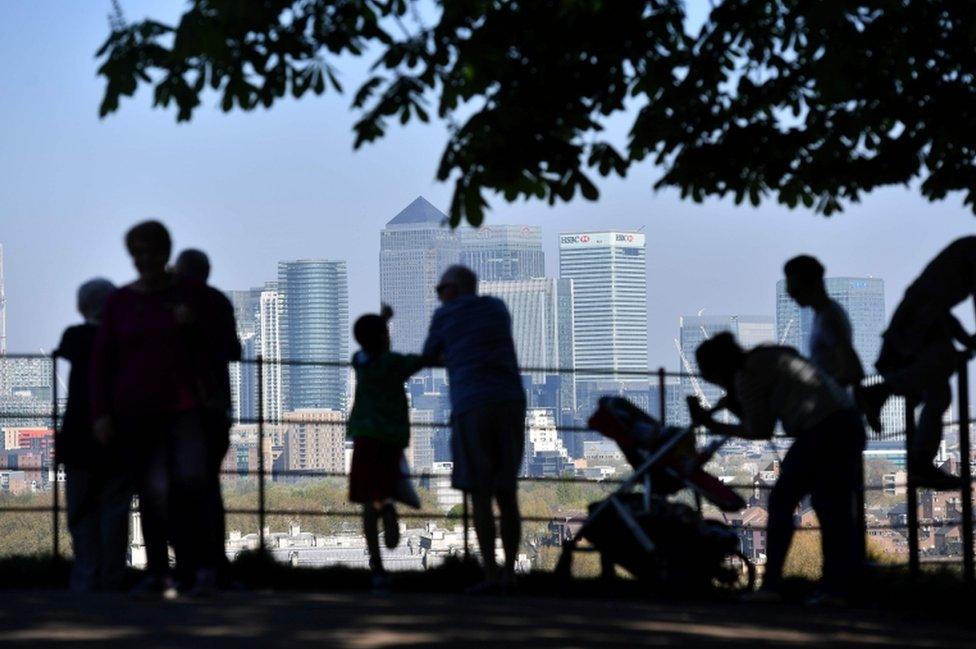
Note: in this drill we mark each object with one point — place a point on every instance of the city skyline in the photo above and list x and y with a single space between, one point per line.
421 212
71 184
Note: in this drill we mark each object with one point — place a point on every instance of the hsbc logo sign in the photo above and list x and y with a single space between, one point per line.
575 238
625 239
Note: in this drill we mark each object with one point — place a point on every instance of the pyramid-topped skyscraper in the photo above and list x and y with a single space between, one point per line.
415 247
420 211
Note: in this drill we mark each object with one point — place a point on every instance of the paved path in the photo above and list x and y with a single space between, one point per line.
361 621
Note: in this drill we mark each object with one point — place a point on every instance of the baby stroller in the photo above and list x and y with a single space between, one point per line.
663 542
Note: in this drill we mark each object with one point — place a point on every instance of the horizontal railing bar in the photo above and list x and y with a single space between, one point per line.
312 473
352 513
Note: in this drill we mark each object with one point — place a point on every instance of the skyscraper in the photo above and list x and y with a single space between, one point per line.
609 274
565 296
269 343
314 327
532 304
418 244
415 248
541 310
243 376
863 299
503 252
749 331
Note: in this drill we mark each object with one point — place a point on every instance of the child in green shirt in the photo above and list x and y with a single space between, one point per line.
379 426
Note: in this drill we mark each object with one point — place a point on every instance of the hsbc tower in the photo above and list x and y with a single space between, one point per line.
609 273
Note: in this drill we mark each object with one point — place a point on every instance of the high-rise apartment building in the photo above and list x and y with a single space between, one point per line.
416 246
863 299
609 274
243 376
314 327
269 343
25 391
503 252
749 331
315 440
247 308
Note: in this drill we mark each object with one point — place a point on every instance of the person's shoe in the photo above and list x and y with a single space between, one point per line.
170 592
381 583
204 586
930 477
391 526
152 586
870 400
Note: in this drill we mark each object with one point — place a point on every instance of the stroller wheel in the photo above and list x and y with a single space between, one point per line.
735 575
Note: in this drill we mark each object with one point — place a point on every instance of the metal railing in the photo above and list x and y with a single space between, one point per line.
660 376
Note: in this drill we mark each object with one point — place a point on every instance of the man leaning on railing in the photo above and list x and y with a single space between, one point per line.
472 335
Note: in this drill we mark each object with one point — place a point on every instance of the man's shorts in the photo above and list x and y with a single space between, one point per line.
486 446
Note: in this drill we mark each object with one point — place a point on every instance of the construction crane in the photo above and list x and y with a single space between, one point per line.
695 385
786 330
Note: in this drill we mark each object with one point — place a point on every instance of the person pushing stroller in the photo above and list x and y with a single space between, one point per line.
771 384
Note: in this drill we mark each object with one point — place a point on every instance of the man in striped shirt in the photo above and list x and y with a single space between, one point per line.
769 385
471 334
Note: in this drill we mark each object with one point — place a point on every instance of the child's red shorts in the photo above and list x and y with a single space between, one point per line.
375 470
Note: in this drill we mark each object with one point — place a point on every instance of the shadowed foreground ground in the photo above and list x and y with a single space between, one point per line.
362 621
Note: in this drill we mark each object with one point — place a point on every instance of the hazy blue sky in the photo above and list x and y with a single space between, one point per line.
253 189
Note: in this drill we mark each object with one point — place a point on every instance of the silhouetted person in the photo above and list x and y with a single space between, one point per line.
831 336
99 487
148 389
472 334
193 266
773 384
379 426
918 357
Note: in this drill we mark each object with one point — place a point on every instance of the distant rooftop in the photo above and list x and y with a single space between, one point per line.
419 211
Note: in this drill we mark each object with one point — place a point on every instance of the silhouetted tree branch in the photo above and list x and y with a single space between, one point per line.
812 103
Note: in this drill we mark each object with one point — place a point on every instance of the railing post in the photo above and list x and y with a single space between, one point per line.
662 398
55 498
261 468
464 518
912 488
965 473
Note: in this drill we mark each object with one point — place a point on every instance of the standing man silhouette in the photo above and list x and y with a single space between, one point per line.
472 335
222 347
831 346
831 337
